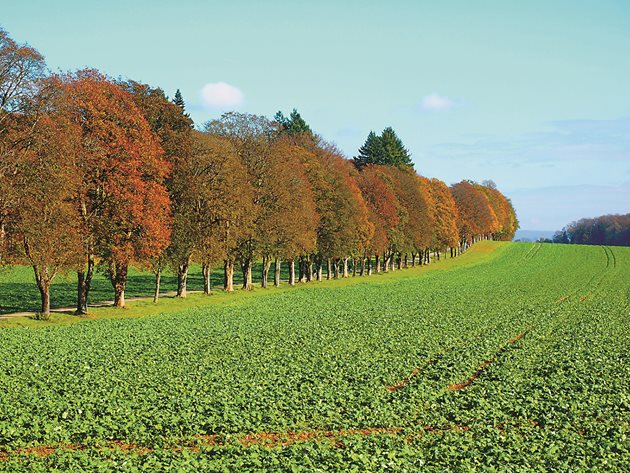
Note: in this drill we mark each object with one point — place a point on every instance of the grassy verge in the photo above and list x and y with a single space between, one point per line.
480 253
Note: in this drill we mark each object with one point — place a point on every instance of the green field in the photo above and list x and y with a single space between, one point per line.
511 357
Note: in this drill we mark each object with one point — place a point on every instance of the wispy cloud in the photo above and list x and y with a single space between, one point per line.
437 103
568 140
221 96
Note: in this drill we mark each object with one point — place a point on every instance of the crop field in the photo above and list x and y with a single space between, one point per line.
514 356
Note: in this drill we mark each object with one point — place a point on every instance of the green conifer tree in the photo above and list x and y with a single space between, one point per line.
294 124
371 152
395 154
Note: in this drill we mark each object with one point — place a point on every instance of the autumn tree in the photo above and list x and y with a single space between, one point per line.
173 129
414 195
344 228
212 208
385 213
22 69
445 232
476 217
287 219
43 185
252 137
502 207
123 201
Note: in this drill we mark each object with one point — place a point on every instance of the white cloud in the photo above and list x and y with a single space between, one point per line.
219 95
437 103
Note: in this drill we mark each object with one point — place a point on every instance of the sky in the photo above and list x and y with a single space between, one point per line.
533 95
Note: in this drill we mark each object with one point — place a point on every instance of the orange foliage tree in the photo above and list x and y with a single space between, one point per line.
476 216
123 199
445 232
384 212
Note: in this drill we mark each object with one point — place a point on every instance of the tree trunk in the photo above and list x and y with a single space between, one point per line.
377 263
369 265
84 282
385 263
118 277
413 260
228 275
362 270
43 284
320 268
336 268
303 269
345 267
354 267
246 267
277 268
292 272
182 277
309 267
158 277
265 272
206 272
428 256
328 268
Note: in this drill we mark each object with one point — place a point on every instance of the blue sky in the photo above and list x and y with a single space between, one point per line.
534 95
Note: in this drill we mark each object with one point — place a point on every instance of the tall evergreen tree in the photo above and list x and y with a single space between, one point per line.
179 100
395 153
371 152
385 149
294 124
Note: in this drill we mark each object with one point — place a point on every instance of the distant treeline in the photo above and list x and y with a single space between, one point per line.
605 230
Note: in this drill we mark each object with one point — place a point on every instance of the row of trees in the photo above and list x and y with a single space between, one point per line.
102 174
605 230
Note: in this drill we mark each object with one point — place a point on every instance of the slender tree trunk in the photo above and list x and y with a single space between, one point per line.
328 268
292 272
43 280
118 277
277 268
265 271
362 270
246 267
354 267
206 272
228 275
413 260
182 277
437 253
406 260
369 265
385 263
84 282
377 263
158 277
345 267
320 268
428 256
301 269
309 268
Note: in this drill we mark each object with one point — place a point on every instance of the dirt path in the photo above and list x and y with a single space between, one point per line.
71 310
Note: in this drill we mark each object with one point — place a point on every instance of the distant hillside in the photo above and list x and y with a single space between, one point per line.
532 235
